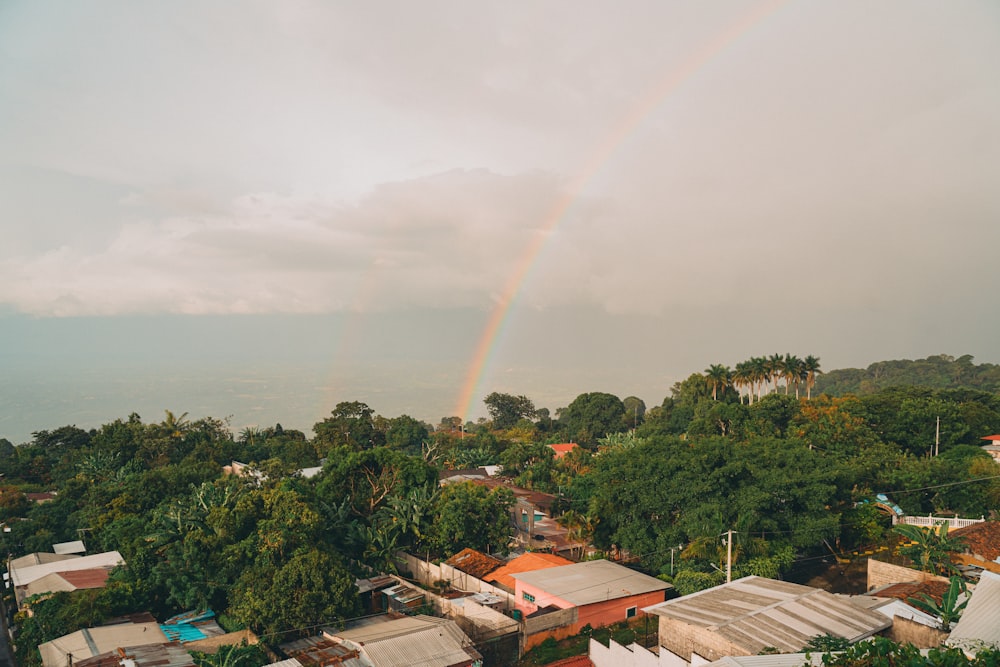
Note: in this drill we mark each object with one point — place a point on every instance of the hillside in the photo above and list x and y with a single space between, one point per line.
938 372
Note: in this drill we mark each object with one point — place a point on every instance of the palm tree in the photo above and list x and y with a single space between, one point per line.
758 366
741 378
176 425
775 364
716 375
811 366
790 370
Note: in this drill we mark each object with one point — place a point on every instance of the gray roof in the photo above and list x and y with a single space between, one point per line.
978 626
755 613
591 581
90 642
773 660
411 641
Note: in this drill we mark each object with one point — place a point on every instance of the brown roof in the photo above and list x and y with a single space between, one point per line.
981 539
93 578
542 501
474 563
913 589
527 563
563 448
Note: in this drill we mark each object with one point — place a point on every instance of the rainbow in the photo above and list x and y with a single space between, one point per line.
602 152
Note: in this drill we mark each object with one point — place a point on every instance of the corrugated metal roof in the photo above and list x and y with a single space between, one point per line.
39 558
323 651
25 575
75 547
591 581
979 624
411 641
94 641
153 655
773 660
756 613
431 647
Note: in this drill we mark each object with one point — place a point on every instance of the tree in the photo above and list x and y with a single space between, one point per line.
811 367
592 416
635 409
471 515
506 410
350 424
717 376
312 588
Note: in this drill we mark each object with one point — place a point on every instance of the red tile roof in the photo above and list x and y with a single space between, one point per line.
981 539
474 563
913 589
562 449
527 563
575 661
992 438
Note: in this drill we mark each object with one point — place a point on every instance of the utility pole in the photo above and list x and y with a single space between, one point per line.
937 437
729 556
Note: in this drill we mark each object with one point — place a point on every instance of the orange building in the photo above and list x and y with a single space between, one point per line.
594 593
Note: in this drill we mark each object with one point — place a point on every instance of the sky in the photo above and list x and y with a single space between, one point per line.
254 211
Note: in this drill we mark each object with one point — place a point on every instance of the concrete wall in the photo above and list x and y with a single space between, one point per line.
918 634
429 574
882 574
684 640
633 655
600 614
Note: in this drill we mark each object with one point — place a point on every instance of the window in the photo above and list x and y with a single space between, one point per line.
630 612
529 597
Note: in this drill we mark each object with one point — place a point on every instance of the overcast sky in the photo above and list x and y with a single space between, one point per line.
639 188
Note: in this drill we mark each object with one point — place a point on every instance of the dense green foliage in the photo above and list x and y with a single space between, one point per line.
726 456
936 372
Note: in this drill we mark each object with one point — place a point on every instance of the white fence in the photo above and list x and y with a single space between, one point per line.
930 521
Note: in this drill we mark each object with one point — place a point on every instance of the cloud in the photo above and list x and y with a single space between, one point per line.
446 240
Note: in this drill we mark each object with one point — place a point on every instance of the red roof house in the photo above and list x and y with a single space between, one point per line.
563 449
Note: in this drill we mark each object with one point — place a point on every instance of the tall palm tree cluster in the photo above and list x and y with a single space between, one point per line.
758 376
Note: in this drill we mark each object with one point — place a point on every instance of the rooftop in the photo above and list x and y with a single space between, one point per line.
150 655
912 589
591 581
474 563
92 642
23 576
981 539
978 626
411 641
755 613
529 562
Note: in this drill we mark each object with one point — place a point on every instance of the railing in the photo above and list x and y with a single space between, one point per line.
931 520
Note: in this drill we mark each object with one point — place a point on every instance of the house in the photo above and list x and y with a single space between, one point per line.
753 614
384 641
92 642
993 448
594 593
72 580
502 577
28 569
978 628
563 449
982 545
